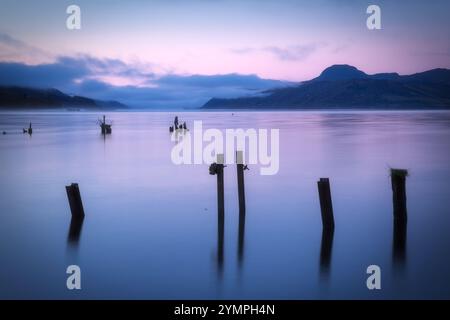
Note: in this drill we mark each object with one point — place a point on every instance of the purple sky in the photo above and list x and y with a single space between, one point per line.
290 40
134 43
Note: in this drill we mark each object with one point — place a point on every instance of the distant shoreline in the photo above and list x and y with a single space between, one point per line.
213 110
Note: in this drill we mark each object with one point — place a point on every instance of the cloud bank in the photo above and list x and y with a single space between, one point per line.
112 79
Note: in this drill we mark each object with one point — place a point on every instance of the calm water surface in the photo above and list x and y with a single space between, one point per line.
150 230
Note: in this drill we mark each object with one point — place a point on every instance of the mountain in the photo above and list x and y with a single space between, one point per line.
12 97
341 72
344 86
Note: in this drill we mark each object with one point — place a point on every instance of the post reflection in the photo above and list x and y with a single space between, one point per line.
399 242
326 248
220 243
76 224
241 236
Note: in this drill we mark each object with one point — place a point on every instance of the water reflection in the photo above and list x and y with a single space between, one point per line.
178 135
356 156
220 242
76 224
399 242
326 248
241 235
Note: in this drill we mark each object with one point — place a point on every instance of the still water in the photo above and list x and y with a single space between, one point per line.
150 230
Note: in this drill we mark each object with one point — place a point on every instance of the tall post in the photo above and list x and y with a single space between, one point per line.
241 192
76 205
220 187
240 180
217 169
220 211
398 181
326 205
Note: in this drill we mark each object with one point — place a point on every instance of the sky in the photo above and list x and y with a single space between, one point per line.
155 46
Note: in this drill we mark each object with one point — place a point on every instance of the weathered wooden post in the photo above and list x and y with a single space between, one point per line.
240 180
217 169
105 128
241 192
326 205
30 130
76 205
103 125
398 181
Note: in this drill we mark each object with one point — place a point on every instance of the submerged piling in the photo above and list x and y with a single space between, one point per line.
105 128
76 205
398 181
29 130
326 205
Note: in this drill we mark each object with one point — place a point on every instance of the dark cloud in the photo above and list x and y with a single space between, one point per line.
89 76
42 76
113 79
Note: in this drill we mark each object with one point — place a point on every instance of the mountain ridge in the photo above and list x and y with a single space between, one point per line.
344 86
17 97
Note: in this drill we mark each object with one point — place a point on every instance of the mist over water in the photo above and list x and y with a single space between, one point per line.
150 230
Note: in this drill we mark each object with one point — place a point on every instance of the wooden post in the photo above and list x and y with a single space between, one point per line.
76 205
326 205
240 180
217 169
220 187
398 181
104 125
